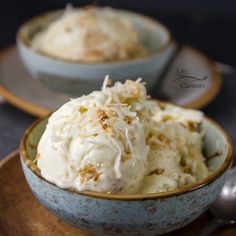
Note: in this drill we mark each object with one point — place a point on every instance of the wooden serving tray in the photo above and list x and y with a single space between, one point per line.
22 215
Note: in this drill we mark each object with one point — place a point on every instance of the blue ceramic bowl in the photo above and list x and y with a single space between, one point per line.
148 214
79 77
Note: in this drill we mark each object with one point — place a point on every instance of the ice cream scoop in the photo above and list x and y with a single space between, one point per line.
90 144
119 141
89 34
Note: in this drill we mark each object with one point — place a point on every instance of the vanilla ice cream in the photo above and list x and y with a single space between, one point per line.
90 34
117 140
92 144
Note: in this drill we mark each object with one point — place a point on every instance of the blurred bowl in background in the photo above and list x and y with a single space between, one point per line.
75 78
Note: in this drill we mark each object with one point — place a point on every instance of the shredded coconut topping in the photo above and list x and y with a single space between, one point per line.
90 34
117 140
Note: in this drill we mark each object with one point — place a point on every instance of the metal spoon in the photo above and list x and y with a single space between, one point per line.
224 208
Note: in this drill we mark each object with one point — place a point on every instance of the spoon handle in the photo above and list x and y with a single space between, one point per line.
213 225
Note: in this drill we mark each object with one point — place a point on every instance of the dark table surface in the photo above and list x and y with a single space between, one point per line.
13 122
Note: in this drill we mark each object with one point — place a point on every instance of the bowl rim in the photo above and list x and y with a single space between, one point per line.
22 39
133 197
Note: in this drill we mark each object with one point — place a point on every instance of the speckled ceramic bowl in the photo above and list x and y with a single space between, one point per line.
133 215
79 77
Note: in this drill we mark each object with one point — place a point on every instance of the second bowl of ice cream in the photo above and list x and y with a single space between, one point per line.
70 51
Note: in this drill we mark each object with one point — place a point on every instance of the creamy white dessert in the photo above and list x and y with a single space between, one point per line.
94 143
119 141
90 34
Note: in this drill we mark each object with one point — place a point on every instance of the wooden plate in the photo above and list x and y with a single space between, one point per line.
22 215
19 89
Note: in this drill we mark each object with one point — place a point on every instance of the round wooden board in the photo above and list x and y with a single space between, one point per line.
22 215
27 94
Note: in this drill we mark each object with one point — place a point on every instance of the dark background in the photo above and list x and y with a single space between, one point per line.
209 25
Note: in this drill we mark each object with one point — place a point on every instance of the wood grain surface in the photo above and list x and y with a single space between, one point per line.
22 215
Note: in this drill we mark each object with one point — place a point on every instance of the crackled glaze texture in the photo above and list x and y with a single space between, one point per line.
109 217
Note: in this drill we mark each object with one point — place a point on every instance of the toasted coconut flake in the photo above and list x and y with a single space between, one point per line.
157 171
83 109
89 172
103 117
127 119
126 157
36 158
